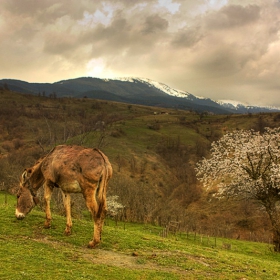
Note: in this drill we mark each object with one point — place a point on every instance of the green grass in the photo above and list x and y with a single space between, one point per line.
28 251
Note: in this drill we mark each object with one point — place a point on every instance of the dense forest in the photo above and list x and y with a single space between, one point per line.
153 152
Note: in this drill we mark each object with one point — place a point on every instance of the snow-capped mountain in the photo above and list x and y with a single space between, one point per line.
234 105
134 91
243 107
161 86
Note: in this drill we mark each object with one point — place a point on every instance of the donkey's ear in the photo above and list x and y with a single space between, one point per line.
24 175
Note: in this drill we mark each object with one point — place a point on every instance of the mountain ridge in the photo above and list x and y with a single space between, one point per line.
133 90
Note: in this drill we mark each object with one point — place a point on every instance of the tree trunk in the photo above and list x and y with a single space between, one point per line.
274 215
276 235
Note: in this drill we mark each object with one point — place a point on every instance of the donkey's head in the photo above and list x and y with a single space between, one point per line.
26 197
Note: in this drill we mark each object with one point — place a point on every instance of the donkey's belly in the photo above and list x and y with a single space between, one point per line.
71 187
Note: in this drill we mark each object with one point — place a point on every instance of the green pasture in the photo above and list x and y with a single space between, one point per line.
128 251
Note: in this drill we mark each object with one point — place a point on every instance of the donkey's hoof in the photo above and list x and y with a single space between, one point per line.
47 225
67 232
93 244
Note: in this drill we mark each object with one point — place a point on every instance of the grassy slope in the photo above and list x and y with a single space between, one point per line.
28 251
31 118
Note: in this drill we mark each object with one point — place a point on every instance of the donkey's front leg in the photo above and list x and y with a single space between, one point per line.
47 196
67 206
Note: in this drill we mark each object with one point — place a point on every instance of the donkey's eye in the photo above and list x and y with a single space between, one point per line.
18 194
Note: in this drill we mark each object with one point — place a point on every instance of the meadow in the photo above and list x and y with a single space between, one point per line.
153 152
127 251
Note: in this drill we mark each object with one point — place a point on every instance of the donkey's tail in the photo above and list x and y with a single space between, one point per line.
103 182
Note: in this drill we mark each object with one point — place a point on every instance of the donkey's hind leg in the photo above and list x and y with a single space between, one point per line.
98 212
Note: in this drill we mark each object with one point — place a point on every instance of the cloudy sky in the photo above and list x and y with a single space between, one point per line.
222 49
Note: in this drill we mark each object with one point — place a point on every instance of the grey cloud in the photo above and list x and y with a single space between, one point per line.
233 16
117 28
155 23
57 43
220 62
110 40
27 7
125 36
187 37
49 10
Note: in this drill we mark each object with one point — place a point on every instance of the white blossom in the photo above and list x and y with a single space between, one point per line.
113 206
243 162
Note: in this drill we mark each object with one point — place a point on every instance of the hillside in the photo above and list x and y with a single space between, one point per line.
128 251
141 91
153 152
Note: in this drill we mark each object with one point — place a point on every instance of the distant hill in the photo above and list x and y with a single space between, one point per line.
133 91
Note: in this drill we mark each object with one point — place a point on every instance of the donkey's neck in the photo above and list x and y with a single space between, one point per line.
37 178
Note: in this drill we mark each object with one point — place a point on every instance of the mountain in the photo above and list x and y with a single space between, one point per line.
239 107
134 91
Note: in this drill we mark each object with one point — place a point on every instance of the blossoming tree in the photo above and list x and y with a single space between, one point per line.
246 164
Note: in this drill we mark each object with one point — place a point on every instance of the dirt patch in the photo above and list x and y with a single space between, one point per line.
133 261
100 256
111 258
